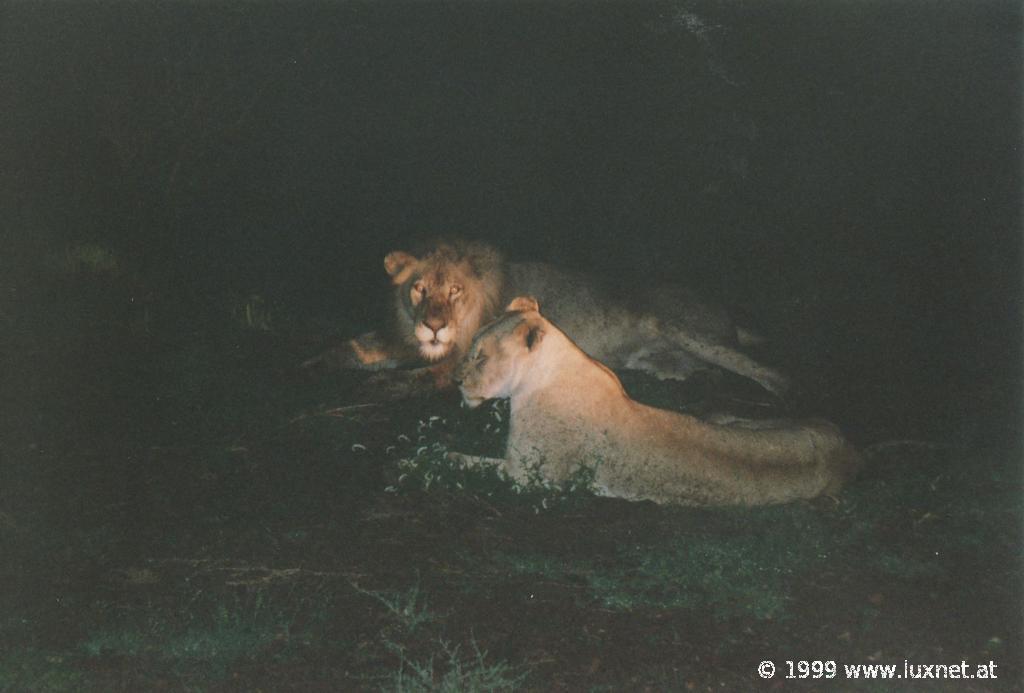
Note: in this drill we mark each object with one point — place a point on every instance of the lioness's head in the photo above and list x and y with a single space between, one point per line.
443 295
502 353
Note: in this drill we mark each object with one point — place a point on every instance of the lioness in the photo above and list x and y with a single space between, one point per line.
445 293
568 409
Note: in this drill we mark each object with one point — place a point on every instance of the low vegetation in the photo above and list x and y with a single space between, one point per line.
183 510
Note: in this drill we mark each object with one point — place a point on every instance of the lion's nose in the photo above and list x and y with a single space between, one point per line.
435 324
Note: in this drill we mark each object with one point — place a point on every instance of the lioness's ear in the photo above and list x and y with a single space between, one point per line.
399 264
530 334
523 303
533 336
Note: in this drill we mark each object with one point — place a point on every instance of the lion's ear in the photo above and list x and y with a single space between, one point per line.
523 304
399 264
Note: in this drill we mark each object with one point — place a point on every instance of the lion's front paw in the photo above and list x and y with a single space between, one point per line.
367 352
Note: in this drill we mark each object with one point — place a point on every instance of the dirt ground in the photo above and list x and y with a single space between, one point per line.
182 509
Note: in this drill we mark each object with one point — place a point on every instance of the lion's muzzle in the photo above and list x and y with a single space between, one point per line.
435 342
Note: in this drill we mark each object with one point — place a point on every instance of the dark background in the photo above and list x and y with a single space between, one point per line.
846 175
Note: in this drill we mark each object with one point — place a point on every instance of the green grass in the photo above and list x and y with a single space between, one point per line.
210 633
29 669
253 312
730 573
408 608
215 460
423 464
746 566
83 258
454 674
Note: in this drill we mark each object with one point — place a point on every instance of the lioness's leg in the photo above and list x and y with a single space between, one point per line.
367 352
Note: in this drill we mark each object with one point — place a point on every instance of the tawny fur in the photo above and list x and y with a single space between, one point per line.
568 409
666 330
476 268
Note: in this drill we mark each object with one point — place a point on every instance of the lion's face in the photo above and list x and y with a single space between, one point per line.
442 298
500 357
436 305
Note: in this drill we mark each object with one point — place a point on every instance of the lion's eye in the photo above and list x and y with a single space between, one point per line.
418 292
455 290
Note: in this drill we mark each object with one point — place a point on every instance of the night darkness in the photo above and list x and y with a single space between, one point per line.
844 176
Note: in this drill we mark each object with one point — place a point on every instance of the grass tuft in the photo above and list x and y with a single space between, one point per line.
214 633
407 607
456 674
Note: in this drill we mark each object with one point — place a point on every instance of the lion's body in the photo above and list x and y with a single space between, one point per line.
643 331
568 409
457 286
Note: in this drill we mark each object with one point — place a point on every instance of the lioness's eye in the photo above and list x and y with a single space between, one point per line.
455 290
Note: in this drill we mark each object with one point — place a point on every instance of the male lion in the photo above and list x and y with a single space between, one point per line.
444 294
567 409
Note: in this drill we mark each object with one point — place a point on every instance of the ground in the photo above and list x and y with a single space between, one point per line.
183 509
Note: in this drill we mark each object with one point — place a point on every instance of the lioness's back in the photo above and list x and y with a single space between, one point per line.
569 409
